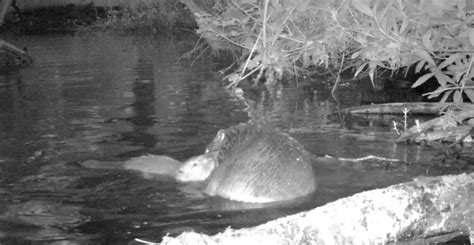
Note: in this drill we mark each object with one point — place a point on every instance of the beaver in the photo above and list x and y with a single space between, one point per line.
255 164
196 168
244 163
153 164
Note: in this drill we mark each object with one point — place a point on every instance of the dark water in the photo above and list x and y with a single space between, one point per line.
104 96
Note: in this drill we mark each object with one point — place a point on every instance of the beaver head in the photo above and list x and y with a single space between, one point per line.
226 140
196 168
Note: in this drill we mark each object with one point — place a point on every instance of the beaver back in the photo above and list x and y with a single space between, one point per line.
256 164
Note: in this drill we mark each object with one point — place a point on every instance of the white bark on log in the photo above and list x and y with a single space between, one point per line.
22 56
397 108
443 127
4 5
424 207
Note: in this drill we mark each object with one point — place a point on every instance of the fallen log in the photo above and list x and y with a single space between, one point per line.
19 56
425 207
4 4
448 127
397 108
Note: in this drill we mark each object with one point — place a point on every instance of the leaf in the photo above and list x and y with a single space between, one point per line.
471 36
384 12
445 96
442 78
393 45
361 67
470 94
372 67
321 4
422 80
419 66
355 55
425 56
233 15
448 61
457 97
252 64
300 5
252 2
233 77
363 6
436 93
404 24
427 40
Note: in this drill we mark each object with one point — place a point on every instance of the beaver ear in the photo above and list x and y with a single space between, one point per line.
221 135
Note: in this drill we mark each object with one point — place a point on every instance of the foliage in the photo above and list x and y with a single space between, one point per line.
156 17
150 17
54 19
437 36
287 36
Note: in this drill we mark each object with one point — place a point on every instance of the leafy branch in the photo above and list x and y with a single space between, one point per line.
276 38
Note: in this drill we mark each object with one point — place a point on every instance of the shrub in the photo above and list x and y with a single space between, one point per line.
362 36
154 17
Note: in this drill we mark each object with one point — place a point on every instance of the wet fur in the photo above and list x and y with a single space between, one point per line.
256 164
152 164
196 168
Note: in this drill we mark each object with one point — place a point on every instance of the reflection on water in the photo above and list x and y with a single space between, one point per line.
115 97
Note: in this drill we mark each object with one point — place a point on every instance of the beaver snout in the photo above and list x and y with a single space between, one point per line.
196 168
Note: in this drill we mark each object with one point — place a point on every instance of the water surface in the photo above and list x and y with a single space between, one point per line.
114 97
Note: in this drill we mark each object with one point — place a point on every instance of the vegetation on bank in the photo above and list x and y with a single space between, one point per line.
156 17
153 17
364 37
273 39
52 19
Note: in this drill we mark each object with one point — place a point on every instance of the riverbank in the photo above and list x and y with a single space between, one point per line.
157 17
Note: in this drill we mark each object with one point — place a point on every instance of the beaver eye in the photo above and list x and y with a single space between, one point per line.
195 164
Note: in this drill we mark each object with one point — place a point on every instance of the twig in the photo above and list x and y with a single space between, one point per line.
251 72
243 10
284 21
338 74
366 158
264 40
395 127
231 41
405 118
264 27
144 242
199 55
241 76
445 89
466 75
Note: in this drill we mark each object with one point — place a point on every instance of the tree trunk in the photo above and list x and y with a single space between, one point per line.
425 207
